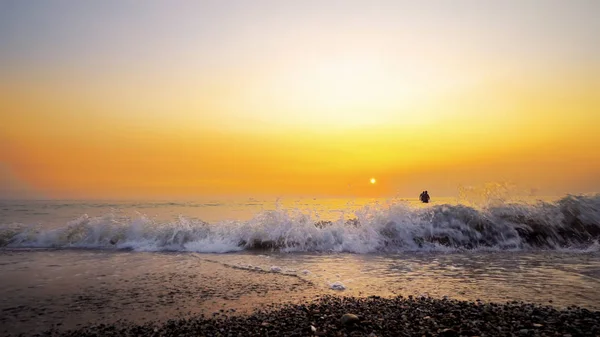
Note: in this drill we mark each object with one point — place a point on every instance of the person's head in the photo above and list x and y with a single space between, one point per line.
425 192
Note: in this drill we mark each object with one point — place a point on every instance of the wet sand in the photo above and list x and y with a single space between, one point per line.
75 290
136 295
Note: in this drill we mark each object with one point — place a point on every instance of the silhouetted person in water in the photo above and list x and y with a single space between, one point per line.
424 197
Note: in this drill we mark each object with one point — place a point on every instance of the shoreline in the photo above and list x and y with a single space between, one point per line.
71 290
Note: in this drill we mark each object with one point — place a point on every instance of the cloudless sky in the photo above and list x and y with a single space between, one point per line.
157 99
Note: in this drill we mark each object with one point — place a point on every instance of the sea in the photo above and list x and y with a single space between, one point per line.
65 263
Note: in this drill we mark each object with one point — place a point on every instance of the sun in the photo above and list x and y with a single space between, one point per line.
373 181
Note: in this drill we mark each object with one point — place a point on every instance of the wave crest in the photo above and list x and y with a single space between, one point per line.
573 221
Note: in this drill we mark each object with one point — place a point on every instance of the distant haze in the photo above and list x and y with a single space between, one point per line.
182 99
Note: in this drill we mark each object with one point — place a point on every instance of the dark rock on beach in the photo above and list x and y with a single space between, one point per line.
349 319
329 316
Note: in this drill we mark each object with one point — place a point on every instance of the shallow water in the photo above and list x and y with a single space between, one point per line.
41 288
563 279
68 264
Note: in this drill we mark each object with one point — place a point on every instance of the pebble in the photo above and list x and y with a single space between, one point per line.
448 333
337 286
348 319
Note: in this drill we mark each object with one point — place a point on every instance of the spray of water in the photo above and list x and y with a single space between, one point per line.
572 222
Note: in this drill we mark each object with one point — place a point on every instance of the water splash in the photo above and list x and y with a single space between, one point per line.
571 222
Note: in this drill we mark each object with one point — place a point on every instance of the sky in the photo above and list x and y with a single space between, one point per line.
191 99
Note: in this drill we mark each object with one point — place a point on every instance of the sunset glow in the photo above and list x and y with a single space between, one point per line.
268 98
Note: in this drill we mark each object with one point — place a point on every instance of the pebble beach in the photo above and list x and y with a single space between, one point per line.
371 316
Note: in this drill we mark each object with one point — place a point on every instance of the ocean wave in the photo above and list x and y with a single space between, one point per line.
571 222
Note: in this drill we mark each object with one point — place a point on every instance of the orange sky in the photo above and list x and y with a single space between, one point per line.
313 101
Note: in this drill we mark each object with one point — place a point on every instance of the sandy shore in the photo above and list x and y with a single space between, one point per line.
79 292
142 296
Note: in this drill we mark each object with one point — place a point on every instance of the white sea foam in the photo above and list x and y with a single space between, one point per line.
571 223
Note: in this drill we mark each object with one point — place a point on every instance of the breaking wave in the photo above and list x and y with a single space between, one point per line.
571 222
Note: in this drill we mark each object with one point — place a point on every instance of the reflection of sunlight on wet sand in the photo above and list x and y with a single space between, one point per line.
142 286
498 277
137 287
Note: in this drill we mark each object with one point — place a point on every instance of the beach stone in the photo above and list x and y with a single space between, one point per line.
337 286
348 319
448 333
